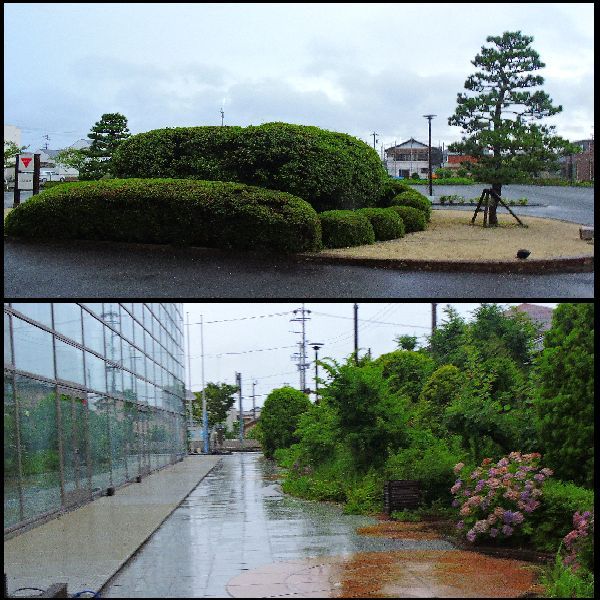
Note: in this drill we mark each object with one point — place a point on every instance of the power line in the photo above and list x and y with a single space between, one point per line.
371 321
280 314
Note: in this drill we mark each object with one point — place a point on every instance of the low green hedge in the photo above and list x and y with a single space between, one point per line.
342 228
414 199
554 517
414 219
213 214
387 224
391 188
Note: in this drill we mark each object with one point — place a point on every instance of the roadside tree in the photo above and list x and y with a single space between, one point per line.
219 399
499 122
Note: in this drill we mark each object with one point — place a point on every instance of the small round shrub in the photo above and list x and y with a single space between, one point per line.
387 224
343 228
329 170
414 219
212 214
391 188
414 199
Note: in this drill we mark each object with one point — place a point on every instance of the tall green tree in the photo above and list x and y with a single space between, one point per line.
565 393
10 151
219 400
106 135
500 121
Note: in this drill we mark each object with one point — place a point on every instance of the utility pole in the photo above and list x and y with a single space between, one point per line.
374 140
204 411
222 116
429 117
253 402
356 333
301 355
433 317
241 420
47 138
189 402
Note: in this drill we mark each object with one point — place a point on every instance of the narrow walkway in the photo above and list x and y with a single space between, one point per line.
87 546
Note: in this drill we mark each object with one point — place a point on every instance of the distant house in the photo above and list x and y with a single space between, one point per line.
541 316
579 167
411 157
454 161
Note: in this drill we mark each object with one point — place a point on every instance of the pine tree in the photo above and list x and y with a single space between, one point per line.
499 122
106 135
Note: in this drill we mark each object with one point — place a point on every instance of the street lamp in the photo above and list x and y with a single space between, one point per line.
315 347
429 117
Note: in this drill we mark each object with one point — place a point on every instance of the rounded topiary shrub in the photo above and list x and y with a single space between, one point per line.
342 228
414 219
387 224
391 188
414 199
213 214
327 169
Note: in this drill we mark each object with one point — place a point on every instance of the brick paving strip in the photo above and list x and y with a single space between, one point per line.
87 546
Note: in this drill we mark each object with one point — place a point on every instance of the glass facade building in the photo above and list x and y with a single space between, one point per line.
93 398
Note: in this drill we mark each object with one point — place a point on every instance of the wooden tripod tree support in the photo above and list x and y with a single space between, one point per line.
485 199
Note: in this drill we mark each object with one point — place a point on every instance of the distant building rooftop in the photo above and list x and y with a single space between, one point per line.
540 315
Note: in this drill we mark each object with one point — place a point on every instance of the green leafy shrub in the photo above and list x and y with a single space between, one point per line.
428 459
554 519
387 224
365 496
406 515
342 228
414 199
391 188
561 581
279 418
406 371
329 170
50 184
213 214
414 219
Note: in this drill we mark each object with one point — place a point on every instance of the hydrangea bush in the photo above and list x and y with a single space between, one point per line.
494 499
580 541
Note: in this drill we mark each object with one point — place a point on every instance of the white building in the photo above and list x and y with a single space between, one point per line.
12 134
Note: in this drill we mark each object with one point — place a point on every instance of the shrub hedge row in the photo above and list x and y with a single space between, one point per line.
414 219
387 223
391 188
327 169
414 199
213 214
342 228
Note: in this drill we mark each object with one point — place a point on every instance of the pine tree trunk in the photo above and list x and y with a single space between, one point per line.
492 218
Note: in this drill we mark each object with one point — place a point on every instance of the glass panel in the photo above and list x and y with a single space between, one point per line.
7 345
95 372
39 445
33 349
111 315
147 319
69 362
67 320
138 311
129 392
93 332
95 306
99 406
73 417
38 311
114 379
113 346
120 432
143 418
126 325
12 509
138 335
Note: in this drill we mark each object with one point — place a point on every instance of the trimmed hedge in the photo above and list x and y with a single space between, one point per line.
387 224
213 214
391 188
414 219
342 228
327 169
414 199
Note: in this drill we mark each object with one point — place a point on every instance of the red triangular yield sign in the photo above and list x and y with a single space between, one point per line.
26 161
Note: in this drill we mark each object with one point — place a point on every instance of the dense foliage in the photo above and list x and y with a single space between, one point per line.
219 399
329 170
343 228
391 188
279 418
414 219
387 224
565 394
170 211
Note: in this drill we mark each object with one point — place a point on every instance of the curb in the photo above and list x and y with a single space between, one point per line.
573 264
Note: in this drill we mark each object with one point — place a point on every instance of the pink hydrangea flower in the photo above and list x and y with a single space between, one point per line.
458 467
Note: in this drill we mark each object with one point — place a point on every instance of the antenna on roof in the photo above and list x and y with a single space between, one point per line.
47 138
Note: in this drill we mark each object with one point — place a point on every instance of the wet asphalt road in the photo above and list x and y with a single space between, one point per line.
104 269
237 520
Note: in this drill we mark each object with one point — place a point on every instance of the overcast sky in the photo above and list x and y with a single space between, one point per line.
354 68
227 343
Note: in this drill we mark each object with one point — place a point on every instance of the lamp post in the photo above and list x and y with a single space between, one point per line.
429 117
315 347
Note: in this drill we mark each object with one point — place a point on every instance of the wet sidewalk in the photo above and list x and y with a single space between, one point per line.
87 546
237 521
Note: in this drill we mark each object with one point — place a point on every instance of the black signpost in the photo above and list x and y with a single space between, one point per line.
26 164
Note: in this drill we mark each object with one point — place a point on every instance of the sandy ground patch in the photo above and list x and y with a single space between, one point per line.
450 236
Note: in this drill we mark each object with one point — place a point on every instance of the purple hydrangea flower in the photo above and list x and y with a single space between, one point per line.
507 530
